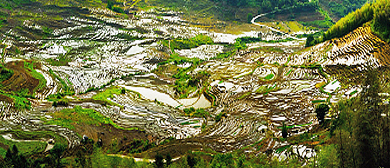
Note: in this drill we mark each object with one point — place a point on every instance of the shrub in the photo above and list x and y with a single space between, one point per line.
219 116
249 17
118 10
321 111
284 131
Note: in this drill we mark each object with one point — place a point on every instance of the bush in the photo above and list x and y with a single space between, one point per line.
219 116
321 111
118 10
109 4
284 131
5 73
249 17
196 41
168 159
381 22
159 161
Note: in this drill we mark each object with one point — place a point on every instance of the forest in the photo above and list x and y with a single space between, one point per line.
376 14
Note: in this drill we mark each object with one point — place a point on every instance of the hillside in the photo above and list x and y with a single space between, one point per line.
134 83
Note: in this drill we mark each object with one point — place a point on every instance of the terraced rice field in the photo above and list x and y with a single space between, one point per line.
256 89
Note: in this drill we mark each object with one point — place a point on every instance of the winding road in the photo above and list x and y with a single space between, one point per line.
271 28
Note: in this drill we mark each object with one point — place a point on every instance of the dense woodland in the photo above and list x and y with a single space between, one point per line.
263 5
342 8
376 14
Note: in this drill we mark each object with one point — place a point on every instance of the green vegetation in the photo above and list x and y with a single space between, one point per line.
284 132
128 37
108 93
68 118
176 59
102 160
110 5
361 135
293 126
254 40
219 116
281 149
269 76
269 49
233 160
196 112
244 95
264 89
231 10
42 81
66 89
317 101
249 17
10 4
194 42
350 22
354 92
346 6
26 148
327 156
186 84
14 158
61 60
19 134
377 12
20 103
5 73
381 24
94 156
231 51
319 23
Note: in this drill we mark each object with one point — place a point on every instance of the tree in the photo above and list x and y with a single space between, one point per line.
321 111
191 161
159 160
14 159
109 4
56 154
367 122
309 40
223 160
168 159
284 131
249 17
327 156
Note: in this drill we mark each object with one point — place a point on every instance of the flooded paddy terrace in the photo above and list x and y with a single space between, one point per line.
253 92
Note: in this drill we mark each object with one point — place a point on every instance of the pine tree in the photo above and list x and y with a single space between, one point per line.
366 125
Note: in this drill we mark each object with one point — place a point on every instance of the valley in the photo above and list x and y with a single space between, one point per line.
150 82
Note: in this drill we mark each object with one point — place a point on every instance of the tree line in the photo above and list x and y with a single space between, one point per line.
378 12
263 5
361 131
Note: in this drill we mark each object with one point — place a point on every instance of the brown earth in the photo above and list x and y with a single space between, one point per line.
5 99
21 78
109 134
176 148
